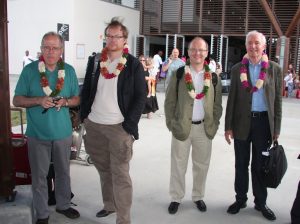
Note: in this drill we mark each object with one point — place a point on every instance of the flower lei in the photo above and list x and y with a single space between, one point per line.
120 66
190 85
262 75
44 81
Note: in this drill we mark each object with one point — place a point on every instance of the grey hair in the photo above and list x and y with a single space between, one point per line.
256 33
52 33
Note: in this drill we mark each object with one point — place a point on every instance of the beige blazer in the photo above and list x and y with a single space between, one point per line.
179 109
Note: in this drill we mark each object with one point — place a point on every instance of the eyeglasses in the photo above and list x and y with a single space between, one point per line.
194 50
48 48
110 37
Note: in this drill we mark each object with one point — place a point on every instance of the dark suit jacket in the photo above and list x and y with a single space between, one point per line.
238 110
131 91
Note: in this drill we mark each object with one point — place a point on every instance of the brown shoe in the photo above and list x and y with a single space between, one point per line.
71 213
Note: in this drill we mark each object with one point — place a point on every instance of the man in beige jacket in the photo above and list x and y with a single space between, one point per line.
193 108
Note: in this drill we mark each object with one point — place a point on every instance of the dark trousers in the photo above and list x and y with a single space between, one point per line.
295 212
260 138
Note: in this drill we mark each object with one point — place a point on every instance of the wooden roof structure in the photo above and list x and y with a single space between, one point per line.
274 18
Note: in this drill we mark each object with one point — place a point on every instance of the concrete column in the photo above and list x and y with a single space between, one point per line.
283 54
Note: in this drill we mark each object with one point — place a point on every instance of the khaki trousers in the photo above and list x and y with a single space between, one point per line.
110 148
201 153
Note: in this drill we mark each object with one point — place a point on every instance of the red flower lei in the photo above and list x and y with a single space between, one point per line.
44 81
120 66
190 85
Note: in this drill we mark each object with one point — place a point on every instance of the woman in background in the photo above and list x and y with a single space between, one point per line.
151 102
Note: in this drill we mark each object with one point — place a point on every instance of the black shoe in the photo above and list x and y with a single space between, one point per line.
235 207
173 207
103 213
71 213
42 221
266 212
201 205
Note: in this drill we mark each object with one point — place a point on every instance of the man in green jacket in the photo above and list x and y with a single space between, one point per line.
193 108
253 117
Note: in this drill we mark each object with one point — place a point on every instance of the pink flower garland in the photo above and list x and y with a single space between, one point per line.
262 74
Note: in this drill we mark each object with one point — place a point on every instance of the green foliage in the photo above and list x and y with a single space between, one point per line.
16 119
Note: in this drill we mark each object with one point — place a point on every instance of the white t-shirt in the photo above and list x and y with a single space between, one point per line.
27 60
105 109
288 79
157 61
198 109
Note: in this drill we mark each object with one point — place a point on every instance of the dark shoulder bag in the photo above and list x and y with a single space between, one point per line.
274 165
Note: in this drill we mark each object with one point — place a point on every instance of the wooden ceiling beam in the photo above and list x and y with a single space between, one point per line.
293 23
271 16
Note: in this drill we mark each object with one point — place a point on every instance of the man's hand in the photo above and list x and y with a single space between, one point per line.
228 136
275 137
47 102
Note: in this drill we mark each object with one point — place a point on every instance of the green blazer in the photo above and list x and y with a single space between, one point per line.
238 110
179 109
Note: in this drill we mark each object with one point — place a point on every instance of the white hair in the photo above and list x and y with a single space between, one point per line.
256 33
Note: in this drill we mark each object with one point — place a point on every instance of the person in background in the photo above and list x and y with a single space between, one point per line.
193 108
151 102
27 59
157 61
212 63
253 119
289 83
38 55
151 80
174 62
47 88
112 103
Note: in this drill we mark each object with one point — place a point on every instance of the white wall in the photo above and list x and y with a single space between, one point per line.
90 18
29 20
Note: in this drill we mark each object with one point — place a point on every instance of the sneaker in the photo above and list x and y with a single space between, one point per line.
71 213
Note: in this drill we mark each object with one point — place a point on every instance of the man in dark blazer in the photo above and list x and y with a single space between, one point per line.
112 101
253 117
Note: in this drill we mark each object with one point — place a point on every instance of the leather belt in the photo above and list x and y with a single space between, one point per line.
198 122
259 114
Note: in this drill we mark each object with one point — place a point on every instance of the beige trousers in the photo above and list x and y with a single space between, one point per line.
110 148
201 153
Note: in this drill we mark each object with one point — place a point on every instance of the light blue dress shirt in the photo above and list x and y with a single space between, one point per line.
258 97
